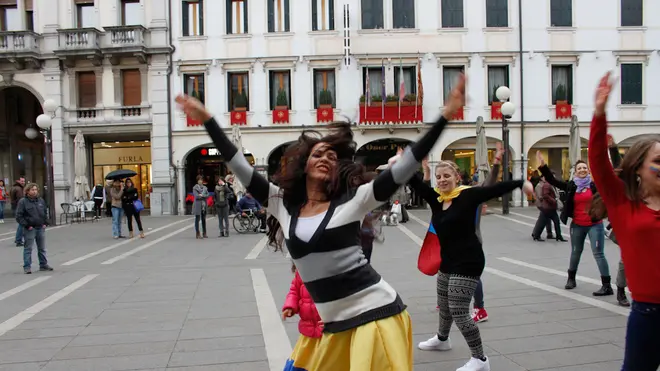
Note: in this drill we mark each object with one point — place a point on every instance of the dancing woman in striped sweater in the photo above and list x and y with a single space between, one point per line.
319 204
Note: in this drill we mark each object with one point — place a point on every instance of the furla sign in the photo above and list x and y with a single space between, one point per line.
122 156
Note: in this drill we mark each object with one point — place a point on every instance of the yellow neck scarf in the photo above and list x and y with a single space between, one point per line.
448 196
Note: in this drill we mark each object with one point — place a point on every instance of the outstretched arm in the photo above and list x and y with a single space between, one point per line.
495 170
615 155
425 191
482 194
547 174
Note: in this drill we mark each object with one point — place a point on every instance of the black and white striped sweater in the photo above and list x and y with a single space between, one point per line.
347 291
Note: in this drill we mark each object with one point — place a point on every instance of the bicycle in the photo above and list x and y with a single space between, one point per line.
246 221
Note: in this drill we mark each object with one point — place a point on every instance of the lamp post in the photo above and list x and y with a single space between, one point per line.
503 93
45 122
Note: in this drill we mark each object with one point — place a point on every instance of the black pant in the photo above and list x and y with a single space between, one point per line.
130 213
546 218
108 209
201 218
261 216
404 215
97 207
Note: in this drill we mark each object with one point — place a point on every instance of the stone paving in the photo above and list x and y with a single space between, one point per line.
171 302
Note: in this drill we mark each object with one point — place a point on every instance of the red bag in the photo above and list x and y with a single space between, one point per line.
429 258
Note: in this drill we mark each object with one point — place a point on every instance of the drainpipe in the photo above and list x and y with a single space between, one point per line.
170 69
523 170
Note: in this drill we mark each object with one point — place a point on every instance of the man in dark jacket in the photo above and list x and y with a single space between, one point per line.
221 199
16 194
250 203
31 215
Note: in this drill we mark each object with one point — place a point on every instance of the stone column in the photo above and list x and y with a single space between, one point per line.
181 177
98 72
162 182
73 89
116 78
20 7
519 199
144 85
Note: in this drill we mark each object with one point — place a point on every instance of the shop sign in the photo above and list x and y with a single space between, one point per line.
122 156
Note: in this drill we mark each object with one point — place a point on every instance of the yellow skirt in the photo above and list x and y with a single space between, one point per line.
383 345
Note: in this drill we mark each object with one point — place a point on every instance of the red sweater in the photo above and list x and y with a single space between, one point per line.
636 226
302 304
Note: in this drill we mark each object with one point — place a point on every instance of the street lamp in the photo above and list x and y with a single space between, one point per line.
45 122
503 93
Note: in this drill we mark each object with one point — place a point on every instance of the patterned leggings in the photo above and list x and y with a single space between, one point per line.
454 296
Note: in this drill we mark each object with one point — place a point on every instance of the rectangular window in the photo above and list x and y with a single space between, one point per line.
86 89
403 14
409 75
631 83
562 84
29 15
239 94
85 14
497 76
131 81
452 14
237 16
9 16
561 13
372 14
278 16
193 85
280 89
375 82
450 75
130 13
192 17
632 13
497 13
323 15
324 88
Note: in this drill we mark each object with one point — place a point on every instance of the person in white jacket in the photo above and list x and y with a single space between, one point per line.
99 198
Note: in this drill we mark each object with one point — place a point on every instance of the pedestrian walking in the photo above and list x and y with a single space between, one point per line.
541 220
116 193
129 198
453 208
299 301
99 197
580 192
3 198
16 194
200 194
221 200
321 198
31 215
632 199
547 203
108 199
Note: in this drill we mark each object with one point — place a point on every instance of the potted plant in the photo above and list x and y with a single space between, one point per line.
391 100
376 101
560 95
282 102
325 99
409 100
240 102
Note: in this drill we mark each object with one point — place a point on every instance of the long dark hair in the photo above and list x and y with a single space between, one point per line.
292 177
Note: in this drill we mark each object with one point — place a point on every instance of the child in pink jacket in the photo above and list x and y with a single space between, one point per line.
299 302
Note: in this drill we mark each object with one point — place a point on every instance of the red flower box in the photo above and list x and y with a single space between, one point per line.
280 116
459 115
374 115
563 110
192 122
325 113
496 111
238 118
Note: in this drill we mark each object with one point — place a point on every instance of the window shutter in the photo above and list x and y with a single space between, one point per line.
185 19
201 17
397 14
447 12
331 11
87 89
315 22
7 2
378 14
131 87
245 15
271 16
287 16
458 13
29 5
80 2
229 16
632 13
367 14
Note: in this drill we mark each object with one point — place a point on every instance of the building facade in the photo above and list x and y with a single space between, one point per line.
273 68
105 63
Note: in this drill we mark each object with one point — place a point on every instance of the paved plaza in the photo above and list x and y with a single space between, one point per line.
171 302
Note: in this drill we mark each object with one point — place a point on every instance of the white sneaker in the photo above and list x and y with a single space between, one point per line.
475 364
435 343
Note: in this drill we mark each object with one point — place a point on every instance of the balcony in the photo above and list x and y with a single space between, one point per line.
21 48
125 41
108 116
80 44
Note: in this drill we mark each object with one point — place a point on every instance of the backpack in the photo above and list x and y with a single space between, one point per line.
221 197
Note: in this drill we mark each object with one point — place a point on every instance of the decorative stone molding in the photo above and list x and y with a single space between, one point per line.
280 62
192 67
464 59
243 64
633 56
497 58
322 61
561 58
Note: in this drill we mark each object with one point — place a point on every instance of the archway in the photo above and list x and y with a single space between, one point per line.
377 152
275 158
22 152
462 152
555 151
208 162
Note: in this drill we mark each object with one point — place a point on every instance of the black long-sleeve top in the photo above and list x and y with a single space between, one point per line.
457 227
127 198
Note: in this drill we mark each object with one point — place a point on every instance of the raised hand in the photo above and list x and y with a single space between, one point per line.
425 163
456 99
193 108
539 158
528 188
603 94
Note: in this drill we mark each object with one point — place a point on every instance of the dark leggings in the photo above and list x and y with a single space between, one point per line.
643 338
97 207
130 213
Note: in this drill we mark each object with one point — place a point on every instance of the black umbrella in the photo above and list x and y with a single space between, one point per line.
120 174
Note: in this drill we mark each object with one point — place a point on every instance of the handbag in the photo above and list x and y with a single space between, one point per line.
429 258
137 204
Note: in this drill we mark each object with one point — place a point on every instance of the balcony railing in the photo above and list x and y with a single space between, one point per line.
80 39
125 36
17 42
108 115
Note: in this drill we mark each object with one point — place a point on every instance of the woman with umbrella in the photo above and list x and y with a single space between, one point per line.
116 194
